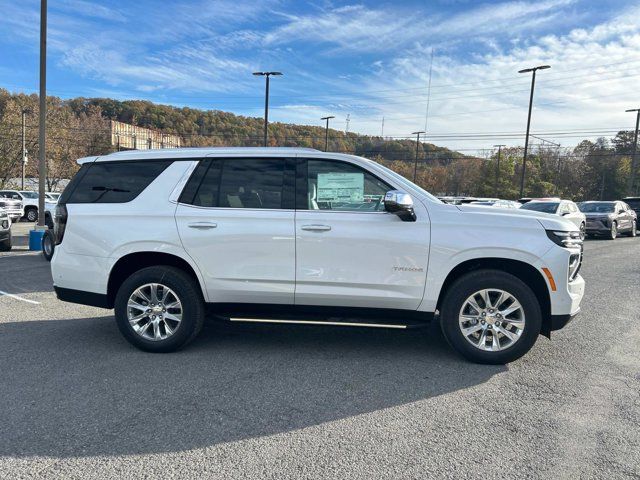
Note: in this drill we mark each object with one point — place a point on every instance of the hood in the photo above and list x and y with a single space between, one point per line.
548 221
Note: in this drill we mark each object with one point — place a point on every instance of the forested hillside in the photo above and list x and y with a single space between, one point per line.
79 127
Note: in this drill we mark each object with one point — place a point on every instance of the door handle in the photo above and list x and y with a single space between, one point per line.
316 228
203 225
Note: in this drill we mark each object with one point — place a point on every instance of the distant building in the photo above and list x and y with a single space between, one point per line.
130 137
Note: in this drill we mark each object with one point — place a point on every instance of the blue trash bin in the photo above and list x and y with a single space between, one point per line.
35 239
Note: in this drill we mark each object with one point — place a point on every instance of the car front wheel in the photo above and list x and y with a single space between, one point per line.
490 316
634 229
32 215
159 309
583 231
613 233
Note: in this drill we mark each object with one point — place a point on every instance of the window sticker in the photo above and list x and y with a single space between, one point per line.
340 187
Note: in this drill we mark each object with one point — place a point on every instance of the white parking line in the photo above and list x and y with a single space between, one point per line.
6 294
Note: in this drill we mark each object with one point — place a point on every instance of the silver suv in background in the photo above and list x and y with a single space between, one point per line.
609 218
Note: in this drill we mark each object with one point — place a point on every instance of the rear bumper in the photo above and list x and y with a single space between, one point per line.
5 235
83 298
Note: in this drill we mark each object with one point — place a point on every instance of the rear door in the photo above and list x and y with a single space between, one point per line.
236 220
349 251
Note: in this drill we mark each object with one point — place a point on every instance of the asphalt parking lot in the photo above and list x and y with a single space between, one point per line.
252 401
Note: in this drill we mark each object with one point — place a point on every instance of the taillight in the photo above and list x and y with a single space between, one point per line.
61 222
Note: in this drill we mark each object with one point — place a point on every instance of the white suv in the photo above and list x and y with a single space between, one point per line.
301 236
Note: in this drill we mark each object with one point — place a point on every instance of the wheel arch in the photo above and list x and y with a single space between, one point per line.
133 262
522 270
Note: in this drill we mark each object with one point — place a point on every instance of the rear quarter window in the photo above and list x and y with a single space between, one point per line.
113 182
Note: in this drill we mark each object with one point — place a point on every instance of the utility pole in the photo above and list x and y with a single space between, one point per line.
24 143
498 167
267 75
346 130
326 132
415 164
634 154
382 130
43 112
526 140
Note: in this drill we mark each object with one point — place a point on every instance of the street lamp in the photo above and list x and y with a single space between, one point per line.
526 140
415 164
326 132
499 147
634 153
266 99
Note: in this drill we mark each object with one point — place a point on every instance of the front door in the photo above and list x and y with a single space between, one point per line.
236 220
349 251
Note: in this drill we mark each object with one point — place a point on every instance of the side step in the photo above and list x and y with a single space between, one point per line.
329 322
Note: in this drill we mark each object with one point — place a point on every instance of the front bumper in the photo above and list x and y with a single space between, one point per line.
560 321
600 226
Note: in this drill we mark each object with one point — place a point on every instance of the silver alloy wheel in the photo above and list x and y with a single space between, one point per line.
48 245
154 311
583 231
32 215
492 319
634 228
614 230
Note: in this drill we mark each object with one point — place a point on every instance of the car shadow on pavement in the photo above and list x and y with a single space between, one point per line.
72 388
20 273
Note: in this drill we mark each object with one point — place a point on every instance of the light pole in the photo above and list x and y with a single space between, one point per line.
498 166
415 164
24 142
326 132
526 140
266 99
634 153
43 112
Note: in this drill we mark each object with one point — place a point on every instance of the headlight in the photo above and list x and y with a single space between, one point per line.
565 239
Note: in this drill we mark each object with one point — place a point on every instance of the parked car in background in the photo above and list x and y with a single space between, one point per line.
12 207
564 208
29 202
232 228
497 203
634 204
5 231
52 196
540 199
609 218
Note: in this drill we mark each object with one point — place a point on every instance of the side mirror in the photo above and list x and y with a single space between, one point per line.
401 204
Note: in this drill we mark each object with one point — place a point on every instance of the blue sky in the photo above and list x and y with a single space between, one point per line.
366 59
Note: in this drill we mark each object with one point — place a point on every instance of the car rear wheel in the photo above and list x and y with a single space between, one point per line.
490 316
613 233
31 215
48 245
634 229
159 309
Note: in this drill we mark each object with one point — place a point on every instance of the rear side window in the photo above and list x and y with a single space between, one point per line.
241 183
113 182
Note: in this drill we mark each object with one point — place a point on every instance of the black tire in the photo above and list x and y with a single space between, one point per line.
613 232
467 285
48 245
583 231
31 215
634 229
6 245
189 294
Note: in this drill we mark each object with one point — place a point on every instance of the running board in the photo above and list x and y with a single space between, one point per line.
319 322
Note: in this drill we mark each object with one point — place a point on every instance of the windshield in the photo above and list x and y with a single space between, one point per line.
545 207
597 207
29 194
398 176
